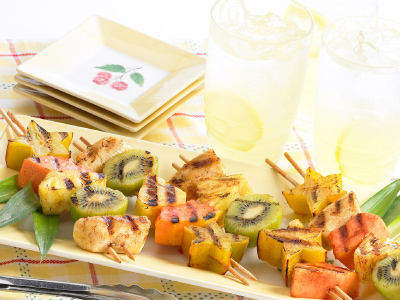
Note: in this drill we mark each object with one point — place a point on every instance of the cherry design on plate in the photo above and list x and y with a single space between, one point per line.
104 78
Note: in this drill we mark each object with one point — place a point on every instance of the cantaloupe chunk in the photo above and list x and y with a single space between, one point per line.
348 237
313 280
35 169
172 220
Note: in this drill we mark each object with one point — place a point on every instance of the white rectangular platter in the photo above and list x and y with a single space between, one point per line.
162 261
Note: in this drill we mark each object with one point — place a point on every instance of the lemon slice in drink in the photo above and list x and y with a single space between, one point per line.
233 121
360 148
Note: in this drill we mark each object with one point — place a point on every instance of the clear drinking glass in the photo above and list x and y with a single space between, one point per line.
325 12
255 68
357 111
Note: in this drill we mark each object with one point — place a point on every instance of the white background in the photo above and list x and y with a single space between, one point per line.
168 20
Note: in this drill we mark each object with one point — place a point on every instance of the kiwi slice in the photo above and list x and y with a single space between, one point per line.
97 200
126 171
248 215
386 276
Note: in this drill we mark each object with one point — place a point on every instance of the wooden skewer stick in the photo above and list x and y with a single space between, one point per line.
114 254
85 141
17 122
128 252
339 295
295 165
185 159
238 276
243 270
233 262
77 146
16 130
281 172
176 167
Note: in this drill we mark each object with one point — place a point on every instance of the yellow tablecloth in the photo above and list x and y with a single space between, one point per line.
184 129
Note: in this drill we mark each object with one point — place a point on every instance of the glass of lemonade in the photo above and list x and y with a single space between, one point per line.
256 63
325 12
357 111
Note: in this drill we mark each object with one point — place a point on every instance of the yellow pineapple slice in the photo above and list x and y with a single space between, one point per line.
154 194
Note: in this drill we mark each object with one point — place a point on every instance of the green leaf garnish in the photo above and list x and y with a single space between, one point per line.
21 205
113 68
137 78
379 203
46 227
8 188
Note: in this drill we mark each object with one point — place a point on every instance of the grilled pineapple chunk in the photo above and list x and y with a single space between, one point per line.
220 192
334 216
154 194
56 189
95 156
371 251
37 142
204 165
315 193
211 248
283 248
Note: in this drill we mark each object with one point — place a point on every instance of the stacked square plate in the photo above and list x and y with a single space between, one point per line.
112 77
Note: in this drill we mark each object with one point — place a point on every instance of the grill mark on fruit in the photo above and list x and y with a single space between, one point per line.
214 237
63 135
85 177
194 217
343 232
198 234
109 223
134 226
202 163
89 191
177 182
56 163
170 193
359 218
209 216
316 269
293 241
36 159
337 207
69 184
152 191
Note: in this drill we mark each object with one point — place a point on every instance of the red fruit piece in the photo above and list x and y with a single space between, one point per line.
313 280
119 85
347 238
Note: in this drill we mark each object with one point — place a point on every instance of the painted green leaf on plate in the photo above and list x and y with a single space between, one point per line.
113 68
137 78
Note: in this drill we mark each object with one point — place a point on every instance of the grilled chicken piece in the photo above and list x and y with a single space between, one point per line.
95 156
221 191
95 234
334 216
57 187
154 194
205 165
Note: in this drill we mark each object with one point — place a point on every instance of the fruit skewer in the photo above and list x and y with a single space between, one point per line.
19 130
110 249
233 262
